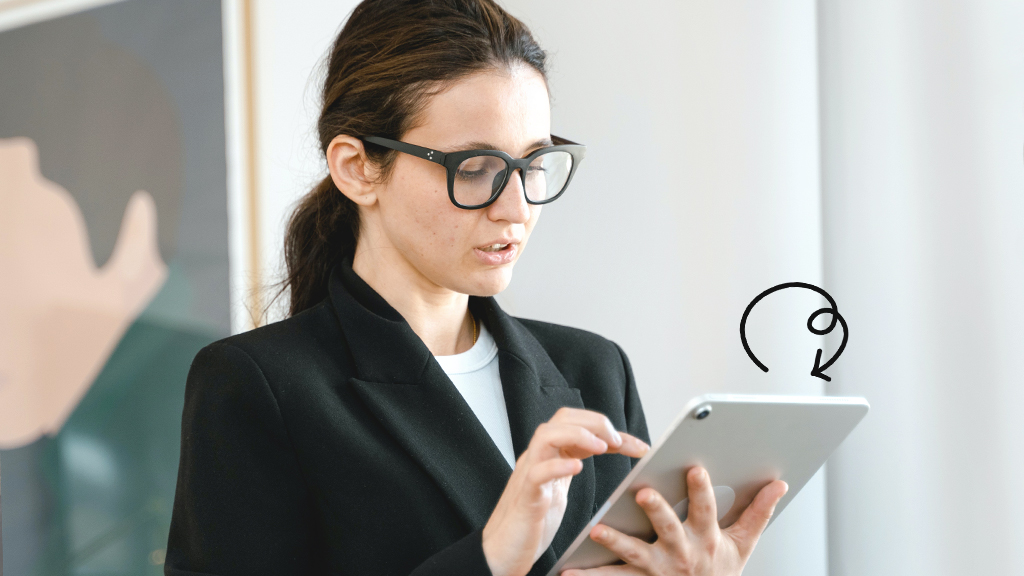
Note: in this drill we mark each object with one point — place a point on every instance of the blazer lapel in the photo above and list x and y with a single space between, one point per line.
439 430
405 388
414 400
534 390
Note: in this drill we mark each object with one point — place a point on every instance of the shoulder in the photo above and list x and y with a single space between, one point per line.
577 351
294 345
559 337
276 376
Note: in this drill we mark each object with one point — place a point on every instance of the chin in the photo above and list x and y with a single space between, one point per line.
489 282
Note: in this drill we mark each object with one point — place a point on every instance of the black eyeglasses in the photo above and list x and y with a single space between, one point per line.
477 177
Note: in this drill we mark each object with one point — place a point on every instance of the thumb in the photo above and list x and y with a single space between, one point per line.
747 530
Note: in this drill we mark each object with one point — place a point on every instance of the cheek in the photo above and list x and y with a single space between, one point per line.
428 225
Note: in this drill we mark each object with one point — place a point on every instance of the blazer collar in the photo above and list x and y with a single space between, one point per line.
406 389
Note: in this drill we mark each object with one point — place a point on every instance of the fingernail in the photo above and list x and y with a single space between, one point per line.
651 499
617 437
601 534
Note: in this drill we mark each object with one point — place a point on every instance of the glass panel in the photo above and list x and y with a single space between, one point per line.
547 175
478 178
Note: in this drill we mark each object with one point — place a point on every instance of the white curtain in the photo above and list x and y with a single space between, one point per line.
923 128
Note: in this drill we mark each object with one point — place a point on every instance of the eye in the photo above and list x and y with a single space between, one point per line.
468 175
479 169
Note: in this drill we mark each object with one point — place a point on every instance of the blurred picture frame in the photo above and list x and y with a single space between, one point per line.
132 227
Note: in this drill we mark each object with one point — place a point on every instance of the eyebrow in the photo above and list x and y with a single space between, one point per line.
481 145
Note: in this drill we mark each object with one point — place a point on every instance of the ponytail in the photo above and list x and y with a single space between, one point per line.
321 234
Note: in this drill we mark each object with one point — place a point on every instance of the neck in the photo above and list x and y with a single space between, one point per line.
439 316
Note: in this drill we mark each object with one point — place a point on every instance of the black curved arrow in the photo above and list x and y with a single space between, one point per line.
819 369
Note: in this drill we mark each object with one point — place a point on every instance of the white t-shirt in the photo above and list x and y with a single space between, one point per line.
475 374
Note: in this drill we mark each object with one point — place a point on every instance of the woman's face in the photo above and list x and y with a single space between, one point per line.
466 251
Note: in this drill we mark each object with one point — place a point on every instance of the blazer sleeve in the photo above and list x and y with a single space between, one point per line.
636 424
241 506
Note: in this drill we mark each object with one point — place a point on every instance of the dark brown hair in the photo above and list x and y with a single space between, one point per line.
388 59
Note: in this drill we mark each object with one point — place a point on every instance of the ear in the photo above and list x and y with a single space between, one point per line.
351 170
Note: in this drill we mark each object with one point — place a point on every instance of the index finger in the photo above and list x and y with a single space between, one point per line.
602 427
631 446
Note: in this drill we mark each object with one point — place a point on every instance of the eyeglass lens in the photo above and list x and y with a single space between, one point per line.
478 179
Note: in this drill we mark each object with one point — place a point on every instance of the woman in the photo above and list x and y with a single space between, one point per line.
399 422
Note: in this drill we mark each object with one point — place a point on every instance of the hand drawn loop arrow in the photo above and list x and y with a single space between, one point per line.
819 369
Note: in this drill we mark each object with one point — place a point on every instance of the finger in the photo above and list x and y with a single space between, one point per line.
615 570
631 446
754 519
702 514
663 517
597 423
553 440
602 427
630 550
553 469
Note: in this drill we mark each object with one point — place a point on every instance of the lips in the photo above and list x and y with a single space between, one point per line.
497 253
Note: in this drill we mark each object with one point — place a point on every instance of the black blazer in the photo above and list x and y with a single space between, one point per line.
334 443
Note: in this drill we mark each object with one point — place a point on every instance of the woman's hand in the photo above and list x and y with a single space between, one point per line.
696 547
530 509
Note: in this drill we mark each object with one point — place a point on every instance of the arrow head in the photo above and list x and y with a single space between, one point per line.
816 371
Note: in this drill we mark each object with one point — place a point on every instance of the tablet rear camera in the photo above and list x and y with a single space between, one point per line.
702 412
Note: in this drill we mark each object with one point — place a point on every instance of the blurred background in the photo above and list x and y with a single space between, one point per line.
871 147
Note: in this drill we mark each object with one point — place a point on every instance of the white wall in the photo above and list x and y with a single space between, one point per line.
700 190
291 39
924 223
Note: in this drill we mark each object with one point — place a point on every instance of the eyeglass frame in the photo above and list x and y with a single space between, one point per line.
452 160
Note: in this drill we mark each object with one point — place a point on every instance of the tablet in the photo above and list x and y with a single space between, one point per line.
744 442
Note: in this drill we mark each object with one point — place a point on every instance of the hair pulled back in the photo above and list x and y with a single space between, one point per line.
386 61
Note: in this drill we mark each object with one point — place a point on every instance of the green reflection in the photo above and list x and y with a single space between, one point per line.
97 497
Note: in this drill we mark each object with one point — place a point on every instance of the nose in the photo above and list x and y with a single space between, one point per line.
511 204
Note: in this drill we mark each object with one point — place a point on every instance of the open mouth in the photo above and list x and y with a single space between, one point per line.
497 254
494 247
